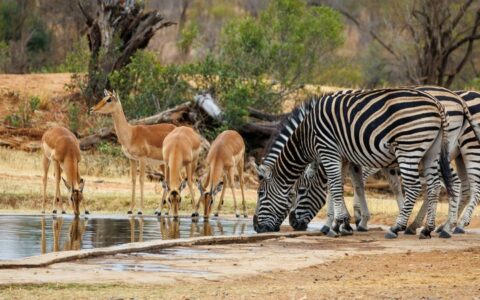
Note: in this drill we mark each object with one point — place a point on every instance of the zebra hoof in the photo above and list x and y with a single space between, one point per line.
325 229
410 231
391 235
425 234
361 229
439 229
195 215
345 231
459 230
245 216
129 212
237 215
87 212
43 212
332 234
139 213
63 212
156 212
54 211
444 234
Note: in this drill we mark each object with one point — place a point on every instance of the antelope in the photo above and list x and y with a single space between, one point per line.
226 154
61 147
180 151
140 143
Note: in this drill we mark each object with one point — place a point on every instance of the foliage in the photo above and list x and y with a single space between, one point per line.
76 61
73 117
23 115
146 87
34 103
285 43
107 148
25 34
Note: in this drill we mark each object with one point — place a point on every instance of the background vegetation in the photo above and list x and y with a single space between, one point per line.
250 53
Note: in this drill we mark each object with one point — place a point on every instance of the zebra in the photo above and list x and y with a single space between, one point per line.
468 166
308 207
379 128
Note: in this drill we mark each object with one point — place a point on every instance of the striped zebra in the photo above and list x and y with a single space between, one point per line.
377 129
308 206
468 168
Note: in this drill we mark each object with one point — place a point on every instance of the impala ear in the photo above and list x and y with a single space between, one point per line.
106 93
66 184
81 185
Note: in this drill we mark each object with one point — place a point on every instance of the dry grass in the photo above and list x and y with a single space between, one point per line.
108 188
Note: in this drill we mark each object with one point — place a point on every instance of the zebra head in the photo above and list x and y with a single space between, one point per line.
273 202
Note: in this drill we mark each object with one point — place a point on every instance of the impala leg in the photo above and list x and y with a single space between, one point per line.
161 203
220 202
142 163
231 183
46 166
240 167
133 174
58 198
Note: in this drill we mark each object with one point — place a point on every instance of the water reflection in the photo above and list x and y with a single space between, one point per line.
22 236
76 229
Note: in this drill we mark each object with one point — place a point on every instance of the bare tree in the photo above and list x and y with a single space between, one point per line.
443 34
118 30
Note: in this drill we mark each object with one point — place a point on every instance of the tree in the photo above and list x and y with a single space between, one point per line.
118 30
439 36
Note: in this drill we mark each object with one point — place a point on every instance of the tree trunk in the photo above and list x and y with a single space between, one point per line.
118 30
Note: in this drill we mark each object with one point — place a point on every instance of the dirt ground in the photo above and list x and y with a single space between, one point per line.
361 266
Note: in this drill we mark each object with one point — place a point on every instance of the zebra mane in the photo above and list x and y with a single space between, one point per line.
286 128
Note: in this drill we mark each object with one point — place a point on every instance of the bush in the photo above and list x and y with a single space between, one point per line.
145 87
73 117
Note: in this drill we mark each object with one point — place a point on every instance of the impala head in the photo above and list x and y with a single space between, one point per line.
272 204
108 104
208 198
175 198
76 195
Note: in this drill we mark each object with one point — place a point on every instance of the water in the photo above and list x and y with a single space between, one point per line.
23 236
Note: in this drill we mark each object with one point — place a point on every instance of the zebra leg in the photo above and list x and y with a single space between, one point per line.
359 196
453 202
469 209
333 169
412 228
411 181
327 229
470 189
433 192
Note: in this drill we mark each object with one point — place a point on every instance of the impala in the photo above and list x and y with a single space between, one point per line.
226 154
180 150
140 143
61 147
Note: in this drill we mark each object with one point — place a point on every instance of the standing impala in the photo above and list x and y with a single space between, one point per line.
180 150
61 147
226 154
140 143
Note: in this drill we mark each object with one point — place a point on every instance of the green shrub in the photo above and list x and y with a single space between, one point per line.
108 148
145 87
34 103
73 117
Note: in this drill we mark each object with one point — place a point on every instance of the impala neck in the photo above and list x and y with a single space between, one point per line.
122 128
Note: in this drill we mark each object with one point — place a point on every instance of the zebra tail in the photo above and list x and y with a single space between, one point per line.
445 169
475 125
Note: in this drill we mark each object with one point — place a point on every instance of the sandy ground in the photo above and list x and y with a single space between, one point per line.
361 266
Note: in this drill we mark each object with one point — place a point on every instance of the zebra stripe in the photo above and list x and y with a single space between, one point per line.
372 128
455 108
